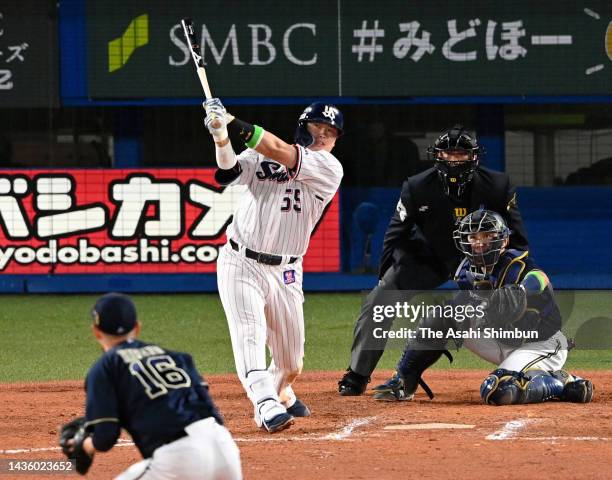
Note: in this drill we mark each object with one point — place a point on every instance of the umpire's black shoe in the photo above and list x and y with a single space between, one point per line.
352 384
299 409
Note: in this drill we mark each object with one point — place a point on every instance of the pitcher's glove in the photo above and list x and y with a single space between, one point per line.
72 436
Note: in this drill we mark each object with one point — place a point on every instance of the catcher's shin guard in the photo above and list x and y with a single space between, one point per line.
506 387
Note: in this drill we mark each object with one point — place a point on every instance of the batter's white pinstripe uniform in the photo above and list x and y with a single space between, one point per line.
263 303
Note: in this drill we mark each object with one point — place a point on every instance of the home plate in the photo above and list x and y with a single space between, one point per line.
428 426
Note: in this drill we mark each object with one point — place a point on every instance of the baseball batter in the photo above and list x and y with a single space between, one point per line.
158 396
515 295
259 270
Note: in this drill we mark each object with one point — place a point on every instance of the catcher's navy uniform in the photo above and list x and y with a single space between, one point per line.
519 306
515 267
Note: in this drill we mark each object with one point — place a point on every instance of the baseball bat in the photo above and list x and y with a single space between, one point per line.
194 48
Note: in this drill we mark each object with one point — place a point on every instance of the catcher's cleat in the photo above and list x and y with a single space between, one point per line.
352 384
389 385
278 422
578 391
299 409
395 394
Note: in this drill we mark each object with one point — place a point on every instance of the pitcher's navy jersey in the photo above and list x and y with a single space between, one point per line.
515 267
151 392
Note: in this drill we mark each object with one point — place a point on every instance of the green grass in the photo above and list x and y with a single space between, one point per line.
48 337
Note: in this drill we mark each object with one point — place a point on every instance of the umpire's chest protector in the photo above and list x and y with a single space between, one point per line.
436 214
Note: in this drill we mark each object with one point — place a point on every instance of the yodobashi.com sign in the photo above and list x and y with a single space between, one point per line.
126 221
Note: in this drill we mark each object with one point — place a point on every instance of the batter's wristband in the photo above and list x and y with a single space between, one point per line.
250 134
258 134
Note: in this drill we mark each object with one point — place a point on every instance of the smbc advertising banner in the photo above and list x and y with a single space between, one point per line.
351 48
128 221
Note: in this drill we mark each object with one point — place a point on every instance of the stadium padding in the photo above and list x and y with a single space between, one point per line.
569 230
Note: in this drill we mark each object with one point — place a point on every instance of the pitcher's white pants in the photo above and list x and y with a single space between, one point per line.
208 452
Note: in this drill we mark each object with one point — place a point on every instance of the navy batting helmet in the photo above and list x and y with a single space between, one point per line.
318 112
482 236
455 173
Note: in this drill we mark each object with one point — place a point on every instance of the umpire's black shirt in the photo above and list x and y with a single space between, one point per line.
425 218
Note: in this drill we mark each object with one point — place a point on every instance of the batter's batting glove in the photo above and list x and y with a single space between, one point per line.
216 119
213 104
216 123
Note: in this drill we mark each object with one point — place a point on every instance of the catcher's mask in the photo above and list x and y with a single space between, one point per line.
482 236
114 314
456 154
318 112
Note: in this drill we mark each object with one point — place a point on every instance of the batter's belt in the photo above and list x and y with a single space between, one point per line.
265 258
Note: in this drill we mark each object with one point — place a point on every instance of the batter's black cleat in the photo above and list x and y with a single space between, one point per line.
278 422
299 409
352 384
389 386
578 391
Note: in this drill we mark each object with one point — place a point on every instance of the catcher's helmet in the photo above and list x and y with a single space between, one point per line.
318 112
482 236
456 173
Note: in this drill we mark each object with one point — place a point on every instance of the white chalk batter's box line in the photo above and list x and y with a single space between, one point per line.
342 434
508 432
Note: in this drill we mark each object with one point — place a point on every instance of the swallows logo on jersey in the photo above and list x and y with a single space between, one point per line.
272 171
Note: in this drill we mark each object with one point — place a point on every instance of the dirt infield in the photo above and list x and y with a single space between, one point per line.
454 436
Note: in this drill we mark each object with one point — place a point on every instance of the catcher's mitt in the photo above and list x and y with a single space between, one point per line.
507 305
72 436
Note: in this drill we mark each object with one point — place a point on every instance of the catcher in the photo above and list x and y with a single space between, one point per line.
515 296
158 396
